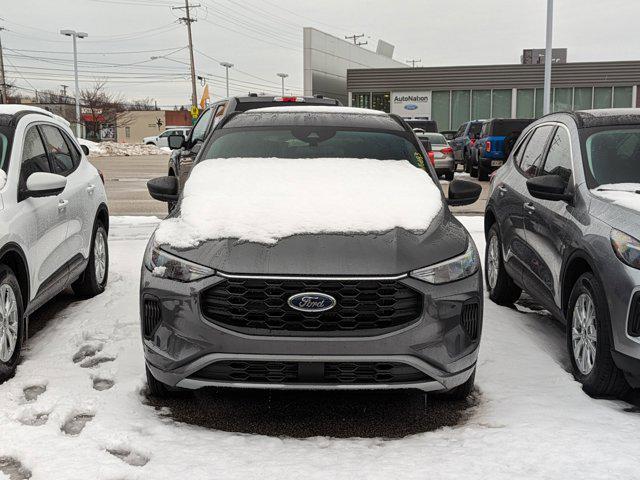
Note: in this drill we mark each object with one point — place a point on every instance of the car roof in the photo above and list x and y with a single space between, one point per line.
322 116
606 117
12 113
273 98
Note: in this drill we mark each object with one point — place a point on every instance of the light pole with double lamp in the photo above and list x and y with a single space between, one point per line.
75 35
283 76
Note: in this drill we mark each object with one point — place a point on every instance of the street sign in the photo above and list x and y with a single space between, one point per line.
194 111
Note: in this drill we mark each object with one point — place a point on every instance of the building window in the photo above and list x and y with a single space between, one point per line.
525 107
622 97
602 97
460 107
562 100
381 101
361 100
539 102
440 102
127 132
501 104
582 98
480 104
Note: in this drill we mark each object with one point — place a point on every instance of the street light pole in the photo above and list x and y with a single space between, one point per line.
227 66
75 35
283 76
548 57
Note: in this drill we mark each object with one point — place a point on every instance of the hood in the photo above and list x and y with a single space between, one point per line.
397 251
620 210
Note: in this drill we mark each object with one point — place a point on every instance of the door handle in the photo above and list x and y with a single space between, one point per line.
90 189
62 205
530 207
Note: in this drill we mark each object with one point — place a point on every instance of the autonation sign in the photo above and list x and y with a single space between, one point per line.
411 104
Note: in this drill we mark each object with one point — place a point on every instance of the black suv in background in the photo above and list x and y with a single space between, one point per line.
182 156
462 142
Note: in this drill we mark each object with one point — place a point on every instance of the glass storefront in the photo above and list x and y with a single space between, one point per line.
381 101
451 108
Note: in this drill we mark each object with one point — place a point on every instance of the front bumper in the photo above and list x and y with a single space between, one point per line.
435 344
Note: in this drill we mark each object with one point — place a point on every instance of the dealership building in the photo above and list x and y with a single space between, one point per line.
454 95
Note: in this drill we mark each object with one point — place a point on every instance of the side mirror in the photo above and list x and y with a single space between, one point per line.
44 184
549 187
164 189
463 192
85 149
175 141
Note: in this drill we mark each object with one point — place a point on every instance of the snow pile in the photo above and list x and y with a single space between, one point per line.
266 199
74 409
623 194
113 149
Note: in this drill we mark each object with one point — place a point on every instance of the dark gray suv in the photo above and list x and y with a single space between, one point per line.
396 309
563 223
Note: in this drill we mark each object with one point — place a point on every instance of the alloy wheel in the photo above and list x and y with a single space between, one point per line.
493 261
8 322
584 333
100 256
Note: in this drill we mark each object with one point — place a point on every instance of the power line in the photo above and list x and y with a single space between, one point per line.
413 62
355 39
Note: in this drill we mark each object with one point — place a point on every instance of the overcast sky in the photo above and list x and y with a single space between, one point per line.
263 37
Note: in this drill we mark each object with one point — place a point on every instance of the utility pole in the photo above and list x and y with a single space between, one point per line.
548 58
283 76
227 66
64 90
355 39
413 62
75 35
187 20
3 80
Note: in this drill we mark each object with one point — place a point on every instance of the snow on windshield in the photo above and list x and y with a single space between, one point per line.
623 194
265 199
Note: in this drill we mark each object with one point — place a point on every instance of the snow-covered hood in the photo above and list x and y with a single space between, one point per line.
618 205
314 216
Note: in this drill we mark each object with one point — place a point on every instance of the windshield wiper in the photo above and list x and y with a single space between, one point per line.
617 190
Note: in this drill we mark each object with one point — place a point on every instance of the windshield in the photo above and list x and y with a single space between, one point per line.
434 138
612 156
5 144
474 128
313 142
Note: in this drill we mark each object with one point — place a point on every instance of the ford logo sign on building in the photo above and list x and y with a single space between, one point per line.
312 302
411 106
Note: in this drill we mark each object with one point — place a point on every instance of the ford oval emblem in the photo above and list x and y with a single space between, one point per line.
411 106
311 302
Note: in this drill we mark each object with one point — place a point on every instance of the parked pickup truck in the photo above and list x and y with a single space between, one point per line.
489 151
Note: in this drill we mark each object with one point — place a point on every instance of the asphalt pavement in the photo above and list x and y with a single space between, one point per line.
126 181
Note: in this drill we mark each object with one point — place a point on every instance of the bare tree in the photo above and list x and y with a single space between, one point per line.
102 107
143 104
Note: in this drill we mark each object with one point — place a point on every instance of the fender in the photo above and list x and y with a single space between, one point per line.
15 248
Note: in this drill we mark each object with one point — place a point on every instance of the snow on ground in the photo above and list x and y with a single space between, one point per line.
298 195
113 149
75 411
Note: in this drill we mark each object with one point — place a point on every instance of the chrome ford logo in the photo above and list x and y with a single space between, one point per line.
311 302
411 106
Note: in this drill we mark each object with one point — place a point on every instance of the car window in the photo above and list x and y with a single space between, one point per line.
219 113
167 133
76 155
534 150
558 160
434 138
613 155
34 155
517 156
461 130
200 129
58 150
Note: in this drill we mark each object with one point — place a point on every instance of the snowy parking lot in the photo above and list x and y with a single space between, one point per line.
76 408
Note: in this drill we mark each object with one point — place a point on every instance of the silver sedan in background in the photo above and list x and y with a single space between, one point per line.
442 158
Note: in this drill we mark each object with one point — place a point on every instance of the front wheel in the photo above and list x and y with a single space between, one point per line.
11 323
502 289
93 280
589 340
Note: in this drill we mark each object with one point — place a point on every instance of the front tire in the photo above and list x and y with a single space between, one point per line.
589 340
12 323
501 287
93 280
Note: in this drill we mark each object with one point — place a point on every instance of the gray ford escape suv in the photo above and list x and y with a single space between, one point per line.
315 311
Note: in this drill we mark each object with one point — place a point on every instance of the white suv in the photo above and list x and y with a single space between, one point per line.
53 221
162 140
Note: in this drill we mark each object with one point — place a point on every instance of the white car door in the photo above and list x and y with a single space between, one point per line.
45 219
82 179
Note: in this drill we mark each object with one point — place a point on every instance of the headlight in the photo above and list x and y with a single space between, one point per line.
164 265
456 268
626 247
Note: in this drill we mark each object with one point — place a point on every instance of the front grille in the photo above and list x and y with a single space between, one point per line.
470 319
151 316
331 373
633 325
259 306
